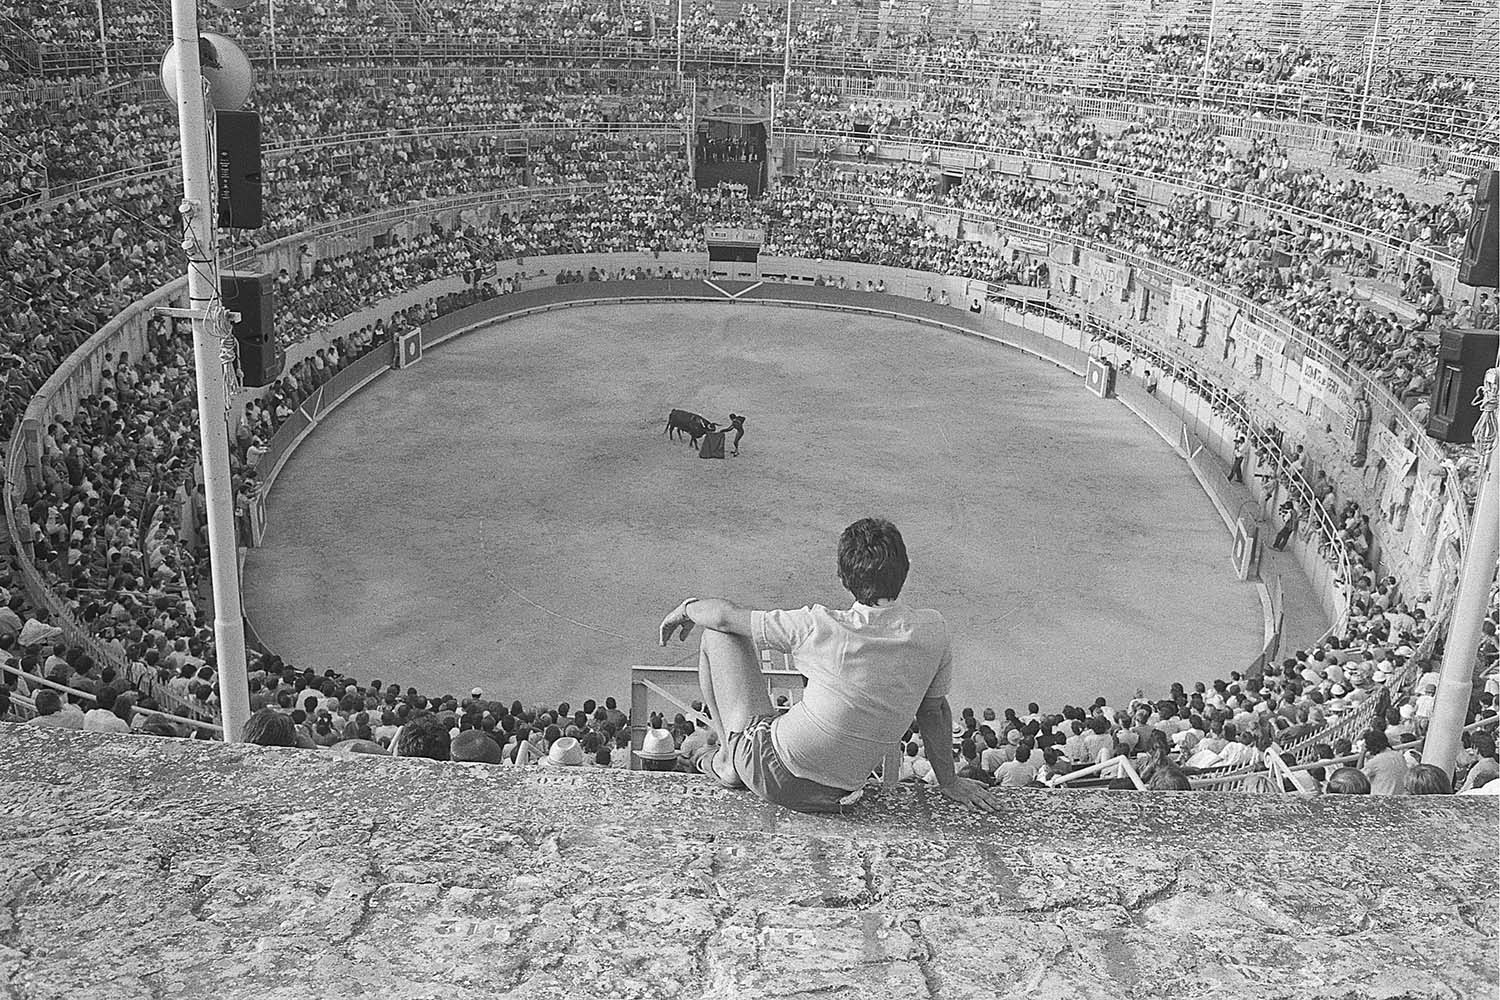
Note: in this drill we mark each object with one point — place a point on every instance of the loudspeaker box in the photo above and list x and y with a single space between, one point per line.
238 169
253 296
1477 266
1463 358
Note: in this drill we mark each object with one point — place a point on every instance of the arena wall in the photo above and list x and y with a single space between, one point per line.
1182 416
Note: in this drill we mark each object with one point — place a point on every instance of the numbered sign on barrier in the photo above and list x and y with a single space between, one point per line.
408 349
1099 378
1246 555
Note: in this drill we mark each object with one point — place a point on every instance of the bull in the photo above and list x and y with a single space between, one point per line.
691 424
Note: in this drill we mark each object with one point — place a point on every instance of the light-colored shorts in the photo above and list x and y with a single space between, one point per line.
758 767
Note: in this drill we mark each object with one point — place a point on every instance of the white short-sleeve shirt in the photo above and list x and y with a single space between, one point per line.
867 669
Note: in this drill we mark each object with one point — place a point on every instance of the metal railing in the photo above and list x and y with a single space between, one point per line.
31 682
1118 766
1345 106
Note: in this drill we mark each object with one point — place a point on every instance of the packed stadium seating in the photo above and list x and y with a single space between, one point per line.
597 154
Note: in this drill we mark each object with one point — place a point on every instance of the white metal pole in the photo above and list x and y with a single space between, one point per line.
103 44
1456 681
786 64
770 137
213 431
679 39
1208 55
1364 97
271 16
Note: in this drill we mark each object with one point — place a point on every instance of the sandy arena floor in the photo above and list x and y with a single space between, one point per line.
509 514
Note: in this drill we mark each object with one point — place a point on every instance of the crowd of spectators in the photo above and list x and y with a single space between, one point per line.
1317 79
1198 156
1292 269
78 135
118 527
116 518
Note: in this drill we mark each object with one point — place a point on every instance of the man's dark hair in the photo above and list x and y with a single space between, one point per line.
269 728
1169 779
159 727
872 560
1348 781
47 703
424 737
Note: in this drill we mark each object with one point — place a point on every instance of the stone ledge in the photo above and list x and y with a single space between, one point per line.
162 868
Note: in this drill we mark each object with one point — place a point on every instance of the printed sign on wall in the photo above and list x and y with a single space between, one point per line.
1314 378
1221 317
1191 308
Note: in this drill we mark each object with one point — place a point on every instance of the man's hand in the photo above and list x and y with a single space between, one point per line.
678 618
973 795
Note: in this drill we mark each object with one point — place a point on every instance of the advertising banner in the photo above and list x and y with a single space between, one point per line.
943 224
980 231
1174 318
1425 497
1221 318
1382 442
1315 378
1194 307
1111 279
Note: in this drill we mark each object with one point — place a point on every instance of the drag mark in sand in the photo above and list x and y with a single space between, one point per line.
483 544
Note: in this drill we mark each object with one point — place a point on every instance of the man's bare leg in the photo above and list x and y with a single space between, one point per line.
733 689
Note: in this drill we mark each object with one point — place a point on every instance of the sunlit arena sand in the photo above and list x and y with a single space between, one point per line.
509 514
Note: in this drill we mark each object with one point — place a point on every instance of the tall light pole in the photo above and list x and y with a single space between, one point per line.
786 63
1208 56
770 134
210 329
103 41
1364 97
1456 681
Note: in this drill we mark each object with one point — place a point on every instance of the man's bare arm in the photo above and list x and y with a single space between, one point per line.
710 612
935 722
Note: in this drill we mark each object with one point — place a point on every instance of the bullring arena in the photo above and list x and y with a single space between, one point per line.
553 507
1165 333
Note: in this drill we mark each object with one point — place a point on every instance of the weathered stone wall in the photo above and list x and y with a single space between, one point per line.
137 867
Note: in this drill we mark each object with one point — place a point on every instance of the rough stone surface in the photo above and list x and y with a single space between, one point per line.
157 868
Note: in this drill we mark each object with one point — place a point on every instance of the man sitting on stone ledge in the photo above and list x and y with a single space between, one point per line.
869 670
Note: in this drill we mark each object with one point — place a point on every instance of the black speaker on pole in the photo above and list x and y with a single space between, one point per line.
1478 264
238 169
253 296
1463 358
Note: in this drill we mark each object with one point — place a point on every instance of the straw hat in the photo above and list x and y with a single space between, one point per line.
657 745
566 752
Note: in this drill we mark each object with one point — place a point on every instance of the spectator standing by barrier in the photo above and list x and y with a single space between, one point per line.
1241 455
1385 767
